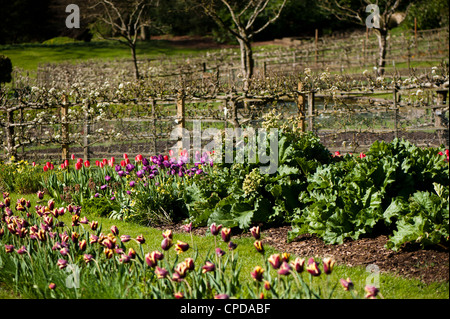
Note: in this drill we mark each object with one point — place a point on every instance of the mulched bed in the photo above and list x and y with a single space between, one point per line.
428 265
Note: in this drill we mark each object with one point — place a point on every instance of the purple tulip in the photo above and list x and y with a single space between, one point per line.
103 187
140 173
132 183
107 178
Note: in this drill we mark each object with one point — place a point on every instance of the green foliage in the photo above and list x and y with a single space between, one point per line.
354 196
429 14
20 177
239 195
99 206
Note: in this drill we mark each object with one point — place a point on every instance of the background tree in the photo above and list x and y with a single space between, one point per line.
243 19
125 19
391 14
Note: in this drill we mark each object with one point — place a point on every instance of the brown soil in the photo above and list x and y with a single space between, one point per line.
428 265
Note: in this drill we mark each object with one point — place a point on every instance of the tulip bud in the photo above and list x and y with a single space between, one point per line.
9 248
62 263
259 246
40 195
114 230
150 260
298 264
125 238
226 234
346 284
168 234
52 286
372 292
140 239
166 244
22 250
161 272
215 229
87 258
285 269
82 244
257 273
328 264
189 263
255 231
94 225
209 266
312 267
181 247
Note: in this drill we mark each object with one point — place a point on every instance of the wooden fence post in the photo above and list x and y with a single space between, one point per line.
87 131
180 117
316 46
64 130
153 110
301 108
311 111
394 97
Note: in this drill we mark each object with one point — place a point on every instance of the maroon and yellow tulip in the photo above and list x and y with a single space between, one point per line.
328 264
257 273
313 267
275 261
181 247
259 246
209 266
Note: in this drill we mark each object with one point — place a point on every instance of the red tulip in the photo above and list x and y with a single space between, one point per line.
72 157
138 158
66 163
87 164
125 155
97 163
45 168
123 163
78 165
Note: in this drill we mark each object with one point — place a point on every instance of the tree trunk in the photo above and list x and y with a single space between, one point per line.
247 62
382 49
133 54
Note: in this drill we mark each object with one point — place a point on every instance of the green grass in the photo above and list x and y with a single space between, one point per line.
391 285
29 56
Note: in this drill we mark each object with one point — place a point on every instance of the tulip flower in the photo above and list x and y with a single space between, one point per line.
328 264
255 231
285 257
114 230
157 255
40 195
82 245
140 239
166 244
87 163
52 286
259 246
181 269
226 234
62 263
9 248
161 272
150 260
257 273
125 238
72 157
362 155
372 292
64 251
125 259
188 227
285 269
131 252
108 253
312 267
94 225
167 234
209 266
78 165
215 229
189 263
219 252
232 246
298 264
346 284
87 258
181 247
178 295
275 261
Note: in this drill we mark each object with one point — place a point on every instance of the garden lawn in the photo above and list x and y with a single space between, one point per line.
29 56
391 286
